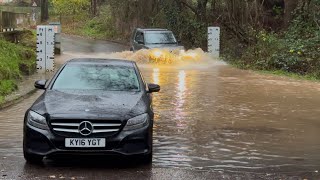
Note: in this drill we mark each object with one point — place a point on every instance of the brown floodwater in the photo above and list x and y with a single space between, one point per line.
219 117
212 116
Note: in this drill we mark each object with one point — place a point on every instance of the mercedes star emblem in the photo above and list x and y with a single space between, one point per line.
85 128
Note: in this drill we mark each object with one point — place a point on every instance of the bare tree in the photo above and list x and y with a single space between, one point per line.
290 6
94 8
44 10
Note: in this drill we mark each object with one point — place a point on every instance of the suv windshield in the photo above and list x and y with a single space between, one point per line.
97 77
160 38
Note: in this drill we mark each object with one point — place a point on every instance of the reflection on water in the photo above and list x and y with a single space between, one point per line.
155 76
181 85
181 88
180 100
222 118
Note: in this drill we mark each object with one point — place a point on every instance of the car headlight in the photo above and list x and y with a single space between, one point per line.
157 53
36 120
137 122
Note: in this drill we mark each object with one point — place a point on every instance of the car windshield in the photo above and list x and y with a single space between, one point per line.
160 38
97 77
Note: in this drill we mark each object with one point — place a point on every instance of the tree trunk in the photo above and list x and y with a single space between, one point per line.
44 10
290 6
94 10
202 10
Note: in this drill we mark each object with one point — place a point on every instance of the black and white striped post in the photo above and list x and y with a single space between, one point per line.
45 49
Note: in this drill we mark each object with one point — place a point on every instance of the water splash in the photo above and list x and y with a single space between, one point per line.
146 56
191 59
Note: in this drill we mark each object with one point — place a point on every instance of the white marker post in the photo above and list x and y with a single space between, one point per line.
34 5
45 49
50 48
214 41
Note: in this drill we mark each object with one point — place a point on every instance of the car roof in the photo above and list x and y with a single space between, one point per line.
98 61
152 29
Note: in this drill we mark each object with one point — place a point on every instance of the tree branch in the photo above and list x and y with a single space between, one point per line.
188 5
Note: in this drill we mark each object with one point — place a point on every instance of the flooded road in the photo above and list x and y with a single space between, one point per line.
210 118
223 118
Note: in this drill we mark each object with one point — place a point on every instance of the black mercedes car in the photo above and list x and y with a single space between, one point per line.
91 107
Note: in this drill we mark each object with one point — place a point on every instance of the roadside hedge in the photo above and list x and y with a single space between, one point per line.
15 61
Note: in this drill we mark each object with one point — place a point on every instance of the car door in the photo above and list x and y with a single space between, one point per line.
138 42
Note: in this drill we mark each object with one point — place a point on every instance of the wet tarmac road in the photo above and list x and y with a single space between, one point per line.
212 122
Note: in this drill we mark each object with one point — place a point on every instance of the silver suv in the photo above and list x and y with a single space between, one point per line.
154 38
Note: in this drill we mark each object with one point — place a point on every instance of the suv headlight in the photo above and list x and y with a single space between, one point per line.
137 122
36 120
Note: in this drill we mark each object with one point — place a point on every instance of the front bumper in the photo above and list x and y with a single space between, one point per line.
127 143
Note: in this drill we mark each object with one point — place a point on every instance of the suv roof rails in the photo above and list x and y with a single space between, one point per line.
152 29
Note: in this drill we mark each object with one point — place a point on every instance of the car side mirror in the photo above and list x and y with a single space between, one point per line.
41 84
153 88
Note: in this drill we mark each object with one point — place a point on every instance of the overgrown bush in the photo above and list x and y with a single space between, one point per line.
82 24
15 61
296 50
100 27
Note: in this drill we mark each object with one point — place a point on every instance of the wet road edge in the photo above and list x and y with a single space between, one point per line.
123 43
16 99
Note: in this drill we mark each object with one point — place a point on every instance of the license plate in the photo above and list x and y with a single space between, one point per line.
85 143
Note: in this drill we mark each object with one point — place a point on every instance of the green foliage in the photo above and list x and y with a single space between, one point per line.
70 7
186 26
94 28
7 86
9 58
99 27
15 61
297 50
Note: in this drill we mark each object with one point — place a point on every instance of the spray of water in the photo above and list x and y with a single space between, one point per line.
191 59
195 58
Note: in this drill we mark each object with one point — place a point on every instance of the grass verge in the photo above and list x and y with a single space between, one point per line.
16 61
291 75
